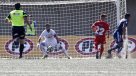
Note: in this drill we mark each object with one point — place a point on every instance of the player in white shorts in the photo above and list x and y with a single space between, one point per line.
50 41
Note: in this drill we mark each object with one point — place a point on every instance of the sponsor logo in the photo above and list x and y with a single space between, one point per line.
85 46
28 46
131 44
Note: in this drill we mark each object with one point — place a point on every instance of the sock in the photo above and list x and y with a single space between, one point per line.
97 56
21 49
97 53
101 51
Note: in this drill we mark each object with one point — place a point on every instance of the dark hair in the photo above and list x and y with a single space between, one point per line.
17 6
103 15
47 25
127 15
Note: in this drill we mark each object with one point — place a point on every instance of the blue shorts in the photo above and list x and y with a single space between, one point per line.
118 37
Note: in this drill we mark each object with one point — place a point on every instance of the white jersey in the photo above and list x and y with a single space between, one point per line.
49 38
48 35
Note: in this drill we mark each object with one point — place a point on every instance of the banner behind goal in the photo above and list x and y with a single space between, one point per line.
71 19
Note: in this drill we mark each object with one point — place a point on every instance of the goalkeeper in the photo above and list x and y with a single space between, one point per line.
50 42
17 17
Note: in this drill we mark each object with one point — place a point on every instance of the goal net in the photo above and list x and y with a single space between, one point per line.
71 19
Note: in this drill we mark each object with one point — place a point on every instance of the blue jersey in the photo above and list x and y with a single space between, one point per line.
123 23
119 30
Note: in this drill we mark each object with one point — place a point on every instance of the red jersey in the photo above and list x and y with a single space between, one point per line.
101 27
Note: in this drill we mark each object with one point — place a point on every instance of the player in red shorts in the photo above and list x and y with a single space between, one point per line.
100 28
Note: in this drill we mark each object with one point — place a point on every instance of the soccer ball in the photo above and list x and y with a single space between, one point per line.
49 48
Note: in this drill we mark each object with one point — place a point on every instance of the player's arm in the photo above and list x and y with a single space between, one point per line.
39 39
56 38
93 27
26 20
8 19
41 36
58 42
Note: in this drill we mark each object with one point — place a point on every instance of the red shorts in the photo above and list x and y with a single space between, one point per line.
100 40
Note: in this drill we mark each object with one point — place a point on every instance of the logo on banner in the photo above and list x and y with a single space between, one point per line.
85 46
28 46
64 44
131 44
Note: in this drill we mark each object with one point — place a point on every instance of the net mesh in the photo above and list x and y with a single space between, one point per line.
71 19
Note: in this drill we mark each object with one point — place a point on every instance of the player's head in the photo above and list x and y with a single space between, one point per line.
17 6
127 16
30 18
48 27
103 16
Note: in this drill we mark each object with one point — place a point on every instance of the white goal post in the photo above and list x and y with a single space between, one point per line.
71 19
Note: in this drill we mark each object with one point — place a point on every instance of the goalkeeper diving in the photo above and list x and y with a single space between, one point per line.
50 42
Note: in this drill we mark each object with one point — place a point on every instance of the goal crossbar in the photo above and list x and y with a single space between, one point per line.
57 2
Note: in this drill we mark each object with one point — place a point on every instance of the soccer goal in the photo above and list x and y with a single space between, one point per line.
71 19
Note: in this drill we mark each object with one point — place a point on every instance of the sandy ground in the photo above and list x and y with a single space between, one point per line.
68 67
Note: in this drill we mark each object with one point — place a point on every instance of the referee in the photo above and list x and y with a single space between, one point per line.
17 18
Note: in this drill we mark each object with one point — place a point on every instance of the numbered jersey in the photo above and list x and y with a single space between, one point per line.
100 28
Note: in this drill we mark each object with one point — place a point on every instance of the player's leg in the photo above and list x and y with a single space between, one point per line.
120 44
15 38
101 50
15 43
118 40
119 47
97 51
96 41
21 40
62 48
114 47
65 52
102 42
21 47
43 48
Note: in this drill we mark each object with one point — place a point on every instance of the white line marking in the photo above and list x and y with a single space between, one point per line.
68 72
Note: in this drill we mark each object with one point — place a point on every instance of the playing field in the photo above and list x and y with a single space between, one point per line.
67 67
